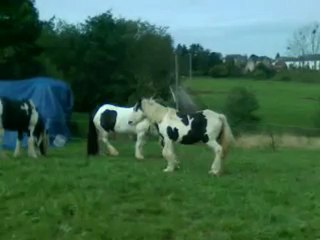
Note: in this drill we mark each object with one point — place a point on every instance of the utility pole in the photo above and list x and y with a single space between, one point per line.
177 78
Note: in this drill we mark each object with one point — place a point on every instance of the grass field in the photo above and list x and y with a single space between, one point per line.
287 104
263 195
284 103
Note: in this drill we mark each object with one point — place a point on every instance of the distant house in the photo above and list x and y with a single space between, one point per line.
254 60
279 65
306 61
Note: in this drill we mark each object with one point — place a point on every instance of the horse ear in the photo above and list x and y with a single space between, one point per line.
153 96
138 104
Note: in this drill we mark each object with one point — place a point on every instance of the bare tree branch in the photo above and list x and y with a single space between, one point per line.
305 40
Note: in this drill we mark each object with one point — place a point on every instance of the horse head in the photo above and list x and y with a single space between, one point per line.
147 108
137 114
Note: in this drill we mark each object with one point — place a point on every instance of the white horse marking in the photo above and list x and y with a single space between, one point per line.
110 118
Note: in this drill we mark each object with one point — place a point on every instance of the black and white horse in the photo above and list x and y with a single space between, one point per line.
23 117
108 118
204 126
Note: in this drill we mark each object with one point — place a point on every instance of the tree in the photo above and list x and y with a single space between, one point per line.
241 105
109 60
19 30
305 41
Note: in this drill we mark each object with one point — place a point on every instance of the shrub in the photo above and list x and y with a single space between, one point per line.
218 71
234 70
298 75
259 74
240 108
263 72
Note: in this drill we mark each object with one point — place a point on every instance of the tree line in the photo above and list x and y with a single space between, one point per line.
103 58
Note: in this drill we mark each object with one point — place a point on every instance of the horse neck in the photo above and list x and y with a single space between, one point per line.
157 113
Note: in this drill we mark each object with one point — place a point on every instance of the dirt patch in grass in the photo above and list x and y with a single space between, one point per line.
286 140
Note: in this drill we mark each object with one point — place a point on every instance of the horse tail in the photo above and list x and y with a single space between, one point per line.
92 137
226 137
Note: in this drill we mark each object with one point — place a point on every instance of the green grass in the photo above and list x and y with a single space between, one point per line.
283 103
263 195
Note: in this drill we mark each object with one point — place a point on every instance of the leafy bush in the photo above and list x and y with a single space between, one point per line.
219 70
263 72
259 74
240 108
234 70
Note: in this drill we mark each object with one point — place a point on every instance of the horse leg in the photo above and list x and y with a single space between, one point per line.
101 146
18 144
139 144
111 149
31 150
216 167
168 154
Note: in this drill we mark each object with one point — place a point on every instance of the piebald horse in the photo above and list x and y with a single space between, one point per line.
108 118
204 126
23 117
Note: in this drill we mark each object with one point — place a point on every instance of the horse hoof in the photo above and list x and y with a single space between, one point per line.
33 156
115 154
168 170
215 173
140 157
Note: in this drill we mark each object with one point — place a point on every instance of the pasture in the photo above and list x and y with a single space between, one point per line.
283 103
263 195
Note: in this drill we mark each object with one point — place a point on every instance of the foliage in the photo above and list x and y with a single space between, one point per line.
234 70
19 30
202 59
104 59
241 105
119 198
219 71
109 60
262 72
298 75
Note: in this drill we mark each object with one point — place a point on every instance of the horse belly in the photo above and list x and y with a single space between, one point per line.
124 128
193 137
14 122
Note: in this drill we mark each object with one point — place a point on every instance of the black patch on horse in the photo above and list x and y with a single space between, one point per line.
184 118
173 134
197 132
108 120
16 114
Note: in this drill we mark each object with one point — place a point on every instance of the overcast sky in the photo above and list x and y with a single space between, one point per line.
262 27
